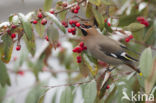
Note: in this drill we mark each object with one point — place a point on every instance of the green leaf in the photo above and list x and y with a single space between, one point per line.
88 10
47 4
95 2
40 28
52 33
41 99
35 93
134 27
30 44
67 96
90 92
10 18
151 80
145 63
106 2
7 47
126 20
99 18
26 26
54 97
62 15
3 91
4 79
56 21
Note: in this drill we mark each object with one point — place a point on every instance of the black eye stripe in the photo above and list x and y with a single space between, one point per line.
86 26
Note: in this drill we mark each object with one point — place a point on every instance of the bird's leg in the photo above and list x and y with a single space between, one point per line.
111 68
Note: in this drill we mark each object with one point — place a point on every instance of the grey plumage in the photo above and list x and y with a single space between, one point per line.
106 49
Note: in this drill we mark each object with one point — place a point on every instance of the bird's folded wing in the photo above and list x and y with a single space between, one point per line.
116 52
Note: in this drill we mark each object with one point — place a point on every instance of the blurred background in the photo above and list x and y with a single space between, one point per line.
23 83
25 86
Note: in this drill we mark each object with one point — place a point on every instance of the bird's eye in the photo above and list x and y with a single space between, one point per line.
86 26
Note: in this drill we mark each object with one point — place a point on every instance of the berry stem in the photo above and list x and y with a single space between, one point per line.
72 5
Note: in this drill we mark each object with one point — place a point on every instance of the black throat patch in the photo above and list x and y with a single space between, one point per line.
84 32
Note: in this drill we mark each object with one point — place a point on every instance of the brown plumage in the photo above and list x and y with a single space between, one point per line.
105 48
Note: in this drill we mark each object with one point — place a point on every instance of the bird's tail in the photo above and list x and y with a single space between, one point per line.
133 67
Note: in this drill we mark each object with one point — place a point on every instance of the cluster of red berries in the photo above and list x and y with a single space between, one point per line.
106 21
65 24
128 38
75 9
79 49
73 23
40 16
142 20
13 35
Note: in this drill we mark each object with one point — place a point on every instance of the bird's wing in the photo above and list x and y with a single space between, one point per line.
116 52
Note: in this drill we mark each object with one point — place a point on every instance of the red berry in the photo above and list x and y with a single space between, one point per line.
63 23
35 22
81 44
77 7
46 37
13 35
66 25
13 26
127 39
40 15
78 24
20 72
84 48
73 29
107 87
79 50
105 20
78 61
71 22
76 11
78 57
69 30
74 50
74 21
8 31
72 9
52 11
108 24
145 23
73 32
58 44
18 47
44 21
64 4
140 18
131 37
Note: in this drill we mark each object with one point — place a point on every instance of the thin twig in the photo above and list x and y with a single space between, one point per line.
72 5
145 45
81 18
72 84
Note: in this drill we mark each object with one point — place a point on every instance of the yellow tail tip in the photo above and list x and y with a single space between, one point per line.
140 74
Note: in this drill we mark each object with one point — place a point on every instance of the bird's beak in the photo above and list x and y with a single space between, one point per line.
84 32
